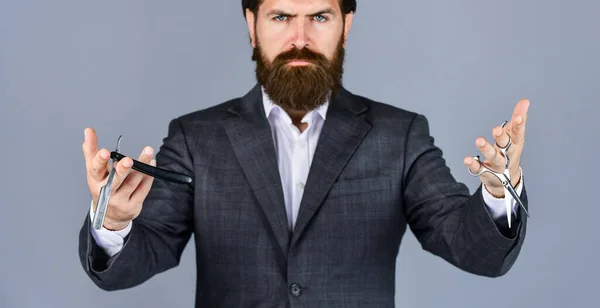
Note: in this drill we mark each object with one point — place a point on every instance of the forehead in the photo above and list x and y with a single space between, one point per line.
300 5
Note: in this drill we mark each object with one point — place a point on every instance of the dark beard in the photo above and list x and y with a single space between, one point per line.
300 88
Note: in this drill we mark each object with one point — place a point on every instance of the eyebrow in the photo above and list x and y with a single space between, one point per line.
321 12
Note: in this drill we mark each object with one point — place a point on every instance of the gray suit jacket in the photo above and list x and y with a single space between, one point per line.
376 171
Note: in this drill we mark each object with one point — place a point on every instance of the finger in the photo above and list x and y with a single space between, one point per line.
518 121
492 155
122 170
134 178
473 165
141 191
99 168
500 136
89 146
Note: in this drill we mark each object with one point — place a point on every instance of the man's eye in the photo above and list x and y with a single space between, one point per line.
281 18
320 18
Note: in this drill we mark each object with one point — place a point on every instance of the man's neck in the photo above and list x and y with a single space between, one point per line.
297 116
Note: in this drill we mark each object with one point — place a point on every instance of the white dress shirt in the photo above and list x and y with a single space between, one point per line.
295 151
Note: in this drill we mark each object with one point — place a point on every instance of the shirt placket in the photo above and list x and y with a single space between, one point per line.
300 168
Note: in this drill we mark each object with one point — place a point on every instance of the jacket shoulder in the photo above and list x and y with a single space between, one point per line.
213 113
382 112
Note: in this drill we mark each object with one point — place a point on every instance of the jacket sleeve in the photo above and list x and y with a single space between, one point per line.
447 220
158 235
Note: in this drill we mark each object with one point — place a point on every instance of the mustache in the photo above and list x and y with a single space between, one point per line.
303 54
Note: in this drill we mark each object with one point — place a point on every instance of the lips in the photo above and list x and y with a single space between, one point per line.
298 62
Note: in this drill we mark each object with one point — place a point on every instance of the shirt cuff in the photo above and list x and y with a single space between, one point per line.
110 241
497 206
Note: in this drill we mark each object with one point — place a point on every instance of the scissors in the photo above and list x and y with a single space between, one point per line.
155 172
504 177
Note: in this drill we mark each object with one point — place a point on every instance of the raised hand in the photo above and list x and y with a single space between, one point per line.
493 157
129 188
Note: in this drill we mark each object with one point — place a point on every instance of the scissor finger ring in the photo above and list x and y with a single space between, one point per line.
483 168
507 146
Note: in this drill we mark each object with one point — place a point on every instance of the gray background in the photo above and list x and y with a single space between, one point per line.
128 67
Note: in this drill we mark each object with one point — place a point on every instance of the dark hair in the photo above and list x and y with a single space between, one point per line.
347 6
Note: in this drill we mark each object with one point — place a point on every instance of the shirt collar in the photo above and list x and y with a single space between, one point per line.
270 106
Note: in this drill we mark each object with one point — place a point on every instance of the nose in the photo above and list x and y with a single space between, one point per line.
300 39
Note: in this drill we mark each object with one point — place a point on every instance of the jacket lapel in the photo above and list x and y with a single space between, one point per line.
342 133
252 141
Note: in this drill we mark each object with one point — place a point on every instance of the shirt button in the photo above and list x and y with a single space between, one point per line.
301 185
295 289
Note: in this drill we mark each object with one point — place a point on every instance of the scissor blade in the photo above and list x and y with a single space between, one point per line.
516 196
508 207
103 198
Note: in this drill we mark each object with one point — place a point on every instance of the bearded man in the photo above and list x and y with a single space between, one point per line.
302 190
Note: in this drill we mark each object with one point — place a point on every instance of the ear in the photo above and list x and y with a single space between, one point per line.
347 24
250 19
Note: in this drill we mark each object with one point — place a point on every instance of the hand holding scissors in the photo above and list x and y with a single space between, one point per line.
505 159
